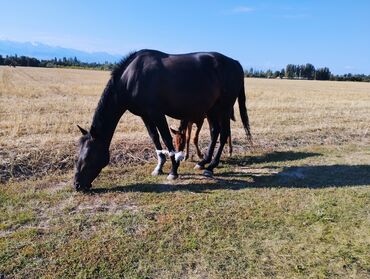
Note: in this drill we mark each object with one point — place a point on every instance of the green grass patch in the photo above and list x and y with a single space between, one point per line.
290 214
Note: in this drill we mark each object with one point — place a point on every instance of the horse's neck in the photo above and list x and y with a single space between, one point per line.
107 114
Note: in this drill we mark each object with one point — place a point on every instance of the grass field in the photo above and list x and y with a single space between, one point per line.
296 205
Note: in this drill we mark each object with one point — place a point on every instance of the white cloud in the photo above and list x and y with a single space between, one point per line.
242 9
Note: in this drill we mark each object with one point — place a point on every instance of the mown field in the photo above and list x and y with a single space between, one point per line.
295 205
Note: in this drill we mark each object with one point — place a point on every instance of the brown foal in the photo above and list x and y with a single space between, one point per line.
182 138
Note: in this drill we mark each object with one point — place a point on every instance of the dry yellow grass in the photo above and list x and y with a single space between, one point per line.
45 104
40 109
310 112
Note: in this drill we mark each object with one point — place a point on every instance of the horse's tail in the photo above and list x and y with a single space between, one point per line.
244 114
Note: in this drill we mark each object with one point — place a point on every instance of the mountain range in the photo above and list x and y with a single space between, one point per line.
44 51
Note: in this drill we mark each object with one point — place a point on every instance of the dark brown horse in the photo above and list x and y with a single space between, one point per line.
153 84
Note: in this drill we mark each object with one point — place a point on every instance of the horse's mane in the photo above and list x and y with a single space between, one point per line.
122 65
104 111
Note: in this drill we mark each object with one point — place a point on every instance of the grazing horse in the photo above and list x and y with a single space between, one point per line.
153 84
182 137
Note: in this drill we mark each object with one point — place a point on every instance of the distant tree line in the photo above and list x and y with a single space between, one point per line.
291 71
307 72
52 63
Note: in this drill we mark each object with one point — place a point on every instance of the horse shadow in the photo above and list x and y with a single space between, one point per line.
315 177
272 157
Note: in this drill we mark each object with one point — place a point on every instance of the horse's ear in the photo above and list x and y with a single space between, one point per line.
83 131
174 131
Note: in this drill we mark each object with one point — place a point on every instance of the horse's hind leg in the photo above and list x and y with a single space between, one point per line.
214 128
161 123
224 134
153 133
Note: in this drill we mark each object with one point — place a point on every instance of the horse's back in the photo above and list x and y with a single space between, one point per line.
189 65
184 85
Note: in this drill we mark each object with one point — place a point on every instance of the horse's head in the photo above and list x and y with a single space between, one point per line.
93 157
179 139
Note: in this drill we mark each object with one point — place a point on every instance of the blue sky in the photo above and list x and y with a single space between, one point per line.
260 34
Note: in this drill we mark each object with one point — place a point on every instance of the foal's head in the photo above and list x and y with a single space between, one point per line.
179 139
93 156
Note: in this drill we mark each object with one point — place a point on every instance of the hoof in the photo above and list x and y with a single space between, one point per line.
208 173
198 167
82 189
172 176
157 172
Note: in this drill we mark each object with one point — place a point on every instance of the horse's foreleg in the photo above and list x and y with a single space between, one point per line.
153 133
224 135
161 123
214 128
196 138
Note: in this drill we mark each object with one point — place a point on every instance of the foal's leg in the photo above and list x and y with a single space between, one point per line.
196 138
153 133
214 128
224 134
188 136
230 146
161 123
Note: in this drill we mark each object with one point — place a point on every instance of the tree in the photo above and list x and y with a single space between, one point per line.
22 61
290 71
75 61
323 74
276 74
282 73
308 71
